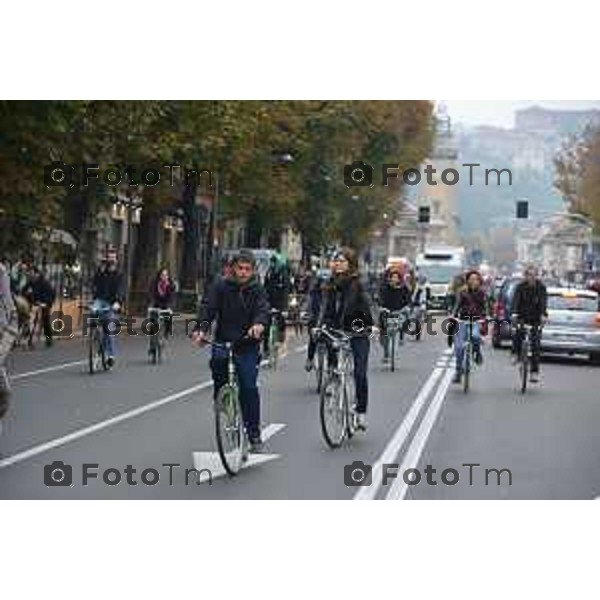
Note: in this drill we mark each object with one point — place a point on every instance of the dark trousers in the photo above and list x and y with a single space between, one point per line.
518 336
47 326
246 365
360 350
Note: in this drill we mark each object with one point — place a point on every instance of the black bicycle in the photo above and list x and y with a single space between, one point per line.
160 318
97 342
525 331
468 353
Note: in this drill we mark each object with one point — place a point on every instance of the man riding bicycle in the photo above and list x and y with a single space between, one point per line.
107 295
471 305
238 303
529 308
345 306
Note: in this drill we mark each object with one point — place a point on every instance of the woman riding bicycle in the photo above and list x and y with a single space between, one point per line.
471 306
162 295
345 306
395 294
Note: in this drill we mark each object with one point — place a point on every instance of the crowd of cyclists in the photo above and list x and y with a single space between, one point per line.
240 307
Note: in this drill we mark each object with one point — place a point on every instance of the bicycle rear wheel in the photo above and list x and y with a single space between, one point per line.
333 412
229 429
273 346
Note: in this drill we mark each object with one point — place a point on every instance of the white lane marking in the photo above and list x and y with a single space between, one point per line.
75 435
368 492
46 370
413 454
45 447
209 463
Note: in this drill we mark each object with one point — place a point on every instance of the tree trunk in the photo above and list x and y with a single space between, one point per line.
146 251
190 263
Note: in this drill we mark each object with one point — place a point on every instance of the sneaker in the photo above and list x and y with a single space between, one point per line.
385 360
478 357
257 446
110 361
457 377
534 377
309 365
361 422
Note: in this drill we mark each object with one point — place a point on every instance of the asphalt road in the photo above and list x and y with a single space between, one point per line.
545 444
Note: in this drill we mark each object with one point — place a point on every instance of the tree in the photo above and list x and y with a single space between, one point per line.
578 173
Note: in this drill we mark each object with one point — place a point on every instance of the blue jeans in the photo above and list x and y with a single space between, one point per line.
246 366
460 339
105 312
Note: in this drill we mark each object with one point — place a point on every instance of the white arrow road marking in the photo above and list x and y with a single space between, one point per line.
368 492
210 466
413 454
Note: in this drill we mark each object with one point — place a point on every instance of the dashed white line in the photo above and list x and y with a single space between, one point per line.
413 454
395 444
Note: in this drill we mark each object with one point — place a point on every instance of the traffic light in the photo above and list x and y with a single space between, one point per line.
424 214
522 209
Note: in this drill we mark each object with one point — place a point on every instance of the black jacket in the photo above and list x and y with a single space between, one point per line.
530 302
471 304
344 304
236 308
40 291
108 286
394 298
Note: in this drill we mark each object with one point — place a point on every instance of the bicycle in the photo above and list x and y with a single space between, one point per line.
526 353
395 322
468 359
97 358
230 432
337 403
155 345
274 339
30 328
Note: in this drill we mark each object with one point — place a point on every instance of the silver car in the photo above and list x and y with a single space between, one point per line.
573 325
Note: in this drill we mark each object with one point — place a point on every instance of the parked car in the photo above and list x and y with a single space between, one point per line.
573 325
502 310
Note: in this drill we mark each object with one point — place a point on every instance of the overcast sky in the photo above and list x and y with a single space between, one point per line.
500 112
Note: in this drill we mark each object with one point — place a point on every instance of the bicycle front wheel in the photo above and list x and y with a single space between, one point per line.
393 351
229 428
467 370
96 358
333 412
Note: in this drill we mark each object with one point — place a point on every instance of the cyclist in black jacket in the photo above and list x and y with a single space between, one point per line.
530 307
345 306
238 303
